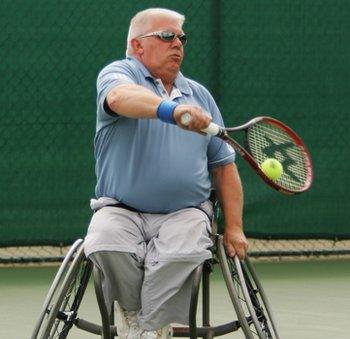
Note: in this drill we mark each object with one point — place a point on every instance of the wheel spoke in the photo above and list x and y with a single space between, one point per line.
61 312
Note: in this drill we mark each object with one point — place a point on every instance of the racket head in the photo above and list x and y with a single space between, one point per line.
267 137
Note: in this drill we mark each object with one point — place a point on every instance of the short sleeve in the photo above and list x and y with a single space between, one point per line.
219 153
116 73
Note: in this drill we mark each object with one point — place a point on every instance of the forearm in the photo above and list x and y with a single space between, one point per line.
230 194
133 101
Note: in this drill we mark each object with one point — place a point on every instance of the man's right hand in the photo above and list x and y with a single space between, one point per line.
199 118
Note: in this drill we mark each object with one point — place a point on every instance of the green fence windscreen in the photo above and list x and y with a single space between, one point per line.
287 59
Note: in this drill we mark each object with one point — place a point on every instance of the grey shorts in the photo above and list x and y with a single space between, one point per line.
147 260
181 235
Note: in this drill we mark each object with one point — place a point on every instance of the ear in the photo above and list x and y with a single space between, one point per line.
137 46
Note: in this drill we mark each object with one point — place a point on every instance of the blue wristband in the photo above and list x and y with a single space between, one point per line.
165 111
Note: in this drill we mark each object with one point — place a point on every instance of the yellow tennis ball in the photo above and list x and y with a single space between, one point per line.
272 168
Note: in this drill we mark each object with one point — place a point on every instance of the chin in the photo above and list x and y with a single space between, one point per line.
175 65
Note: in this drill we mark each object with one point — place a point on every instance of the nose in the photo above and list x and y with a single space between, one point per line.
177 42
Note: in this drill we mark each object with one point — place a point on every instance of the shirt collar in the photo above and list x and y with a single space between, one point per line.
180 82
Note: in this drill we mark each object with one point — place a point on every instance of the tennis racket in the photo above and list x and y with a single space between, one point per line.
264 138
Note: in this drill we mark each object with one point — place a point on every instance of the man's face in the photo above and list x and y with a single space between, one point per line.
163 59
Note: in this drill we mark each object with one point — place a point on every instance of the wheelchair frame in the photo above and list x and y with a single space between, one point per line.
254 315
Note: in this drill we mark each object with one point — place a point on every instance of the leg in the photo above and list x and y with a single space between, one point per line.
122 276
116 245
182 243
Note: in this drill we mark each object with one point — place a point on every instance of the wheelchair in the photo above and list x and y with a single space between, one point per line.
60 311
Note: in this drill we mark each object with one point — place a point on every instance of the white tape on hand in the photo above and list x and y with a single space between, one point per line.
185 119
212 129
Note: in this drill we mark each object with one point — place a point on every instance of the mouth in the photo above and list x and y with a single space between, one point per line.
176 56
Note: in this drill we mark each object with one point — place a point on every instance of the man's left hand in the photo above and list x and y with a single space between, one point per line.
236 243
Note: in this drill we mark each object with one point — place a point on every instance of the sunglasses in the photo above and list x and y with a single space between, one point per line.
167 36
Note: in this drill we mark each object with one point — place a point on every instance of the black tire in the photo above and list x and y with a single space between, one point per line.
247 295
61 306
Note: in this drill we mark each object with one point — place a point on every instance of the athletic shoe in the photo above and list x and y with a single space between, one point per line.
164 333
127 323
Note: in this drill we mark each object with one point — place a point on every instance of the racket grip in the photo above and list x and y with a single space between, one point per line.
212 129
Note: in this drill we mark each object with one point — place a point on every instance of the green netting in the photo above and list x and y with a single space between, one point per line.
290 60
287 59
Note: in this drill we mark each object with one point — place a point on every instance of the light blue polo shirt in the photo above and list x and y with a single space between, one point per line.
147 164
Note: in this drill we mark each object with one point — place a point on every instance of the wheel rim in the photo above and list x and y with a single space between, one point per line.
67 313
62 310
247 296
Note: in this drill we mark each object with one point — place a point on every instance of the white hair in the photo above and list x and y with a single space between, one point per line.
139 23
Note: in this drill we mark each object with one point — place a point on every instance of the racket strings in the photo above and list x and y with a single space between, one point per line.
266 140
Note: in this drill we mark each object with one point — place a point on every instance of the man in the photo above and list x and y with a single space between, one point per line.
151 226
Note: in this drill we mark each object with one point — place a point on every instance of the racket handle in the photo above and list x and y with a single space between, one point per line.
212 129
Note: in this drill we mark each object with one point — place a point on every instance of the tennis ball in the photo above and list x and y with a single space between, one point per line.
272 168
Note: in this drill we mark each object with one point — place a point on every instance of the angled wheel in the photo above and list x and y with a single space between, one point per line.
248 297
55 286
65 296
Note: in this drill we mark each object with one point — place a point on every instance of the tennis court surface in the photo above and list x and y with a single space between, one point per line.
310 299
